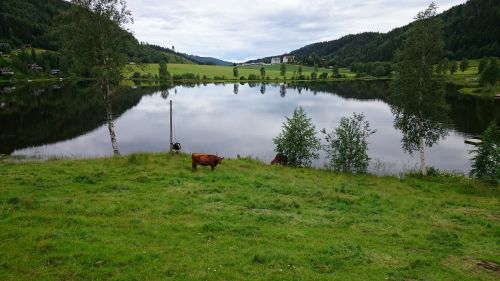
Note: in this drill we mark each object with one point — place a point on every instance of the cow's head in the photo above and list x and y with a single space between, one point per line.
219 159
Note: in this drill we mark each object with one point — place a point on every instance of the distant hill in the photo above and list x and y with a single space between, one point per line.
470 30
29 22
209 60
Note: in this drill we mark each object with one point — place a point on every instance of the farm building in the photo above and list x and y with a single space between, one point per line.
35 67
288 59
275 60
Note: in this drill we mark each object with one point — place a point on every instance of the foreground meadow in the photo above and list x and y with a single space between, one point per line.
148 217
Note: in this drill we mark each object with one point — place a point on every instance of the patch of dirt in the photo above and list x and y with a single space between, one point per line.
489 265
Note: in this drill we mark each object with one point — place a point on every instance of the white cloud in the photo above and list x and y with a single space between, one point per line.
241 30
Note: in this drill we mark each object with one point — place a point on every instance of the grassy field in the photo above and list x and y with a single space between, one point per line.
211 71
148 217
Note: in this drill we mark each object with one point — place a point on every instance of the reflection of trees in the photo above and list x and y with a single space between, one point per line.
362 90
421 115
110 120
236 88
283 90
262 88
57 114
424 126
164 90
470 114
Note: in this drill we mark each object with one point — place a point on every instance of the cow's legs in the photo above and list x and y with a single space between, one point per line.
194 168
212 167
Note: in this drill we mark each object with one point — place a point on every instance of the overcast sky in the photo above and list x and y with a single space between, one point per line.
243 30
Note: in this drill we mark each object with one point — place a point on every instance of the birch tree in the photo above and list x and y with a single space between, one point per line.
94 41
417 97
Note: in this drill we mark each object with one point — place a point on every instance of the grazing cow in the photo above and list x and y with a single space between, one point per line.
279 159
205 160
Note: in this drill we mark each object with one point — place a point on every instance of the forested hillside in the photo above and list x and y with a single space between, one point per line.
30 22
470 30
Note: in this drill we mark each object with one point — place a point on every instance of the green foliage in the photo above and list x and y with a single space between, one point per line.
482 64
253 76
99 49
443 66
35 22
491 73
376 69
184 76
236 72
283 69
486 159
470 30
163 72
297 140
5 48
417 97
29 21
347 146
262 72
335 72
453 67
464 64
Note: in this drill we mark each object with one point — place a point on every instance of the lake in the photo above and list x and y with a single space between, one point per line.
54 120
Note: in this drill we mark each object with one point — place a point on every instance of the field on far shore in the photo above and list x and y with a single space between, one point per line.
149 217
211 71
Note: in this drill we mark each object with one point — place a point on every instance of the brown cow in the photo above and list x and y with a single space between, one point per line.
279 159
205 160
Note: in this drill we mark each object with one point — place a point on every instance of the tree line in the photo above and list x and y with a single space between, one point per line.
469 30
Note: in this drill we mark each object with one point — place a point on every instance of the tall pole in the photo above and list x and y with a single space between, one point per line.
171 141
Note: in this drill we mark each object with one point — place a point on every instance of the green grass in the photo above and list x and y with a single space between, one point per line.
211 71
148 217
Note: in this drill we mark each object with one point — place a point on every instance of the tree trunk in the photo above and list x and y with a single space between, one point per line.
109 119
423 168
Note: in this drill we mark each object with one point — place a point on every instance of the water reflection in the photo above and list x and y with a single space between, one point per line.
210 118
109 118
422 119
60 113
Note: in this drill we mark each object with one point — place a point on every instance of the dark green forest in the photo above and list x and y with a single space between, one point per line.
470 30
31 22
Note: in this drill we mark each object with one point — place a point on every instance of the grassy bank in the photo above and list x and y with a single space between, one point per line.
148 217
212 71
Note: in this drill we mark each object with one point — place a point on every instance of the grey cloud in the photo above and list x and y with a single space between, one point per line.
239 30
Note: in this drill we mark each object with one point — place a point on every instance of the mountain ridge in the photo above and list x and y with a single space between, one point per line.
470 30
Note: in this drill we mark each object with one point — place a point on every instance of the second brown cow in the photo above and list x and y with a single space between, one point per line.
280 159
205 160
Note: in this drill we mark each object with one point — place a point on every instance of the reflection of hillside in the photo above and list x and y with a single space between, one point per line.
470 115
35 115
359 90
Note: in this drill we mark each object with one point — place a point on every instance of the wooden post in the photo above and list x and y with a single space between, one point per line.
171 141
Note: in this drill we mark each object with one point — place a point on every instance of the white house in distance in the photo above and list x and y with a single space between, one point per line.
275 60
288 59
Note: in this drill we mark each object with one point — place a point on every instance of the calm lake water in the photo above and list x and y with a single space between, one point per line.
224 119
